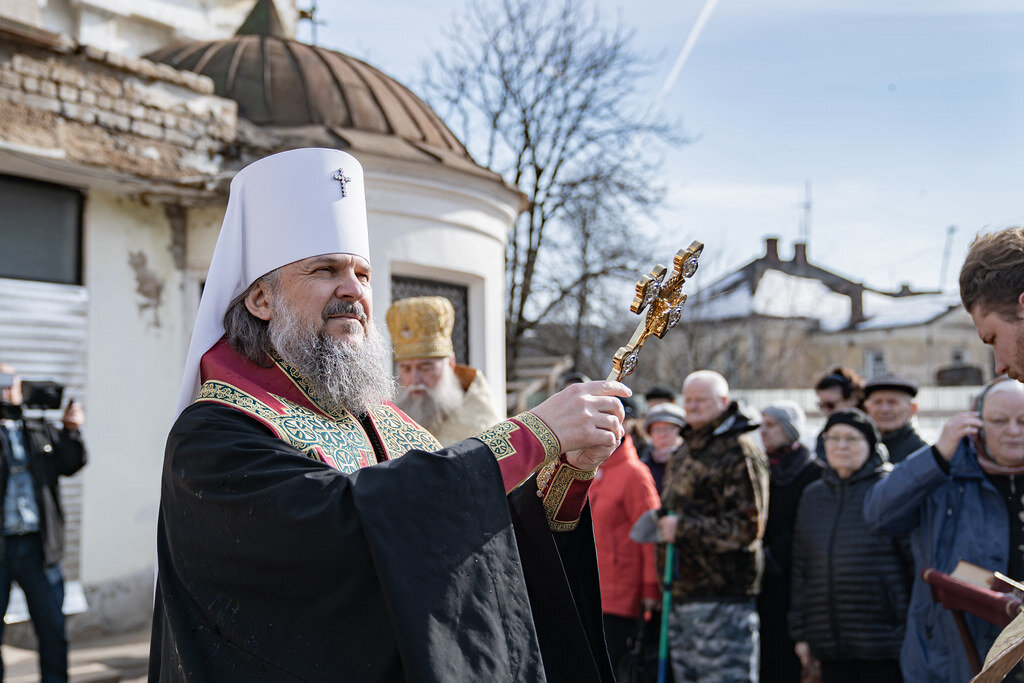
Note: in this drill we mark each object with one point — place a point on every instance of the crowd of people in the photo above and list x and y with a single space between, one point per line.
798 557
312 530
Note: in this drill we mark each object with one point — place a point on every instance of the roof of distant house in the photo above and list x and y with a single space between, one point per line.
769 286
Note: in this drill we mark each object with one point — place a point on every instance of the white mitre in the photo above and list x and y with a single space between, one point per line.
281 209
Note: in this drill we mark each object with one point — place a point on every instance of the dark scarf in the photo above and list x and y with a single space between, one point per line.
788 462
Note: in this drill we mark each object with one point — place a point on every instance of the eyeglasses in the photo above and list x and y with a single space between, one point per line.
827 405
663 428
851 439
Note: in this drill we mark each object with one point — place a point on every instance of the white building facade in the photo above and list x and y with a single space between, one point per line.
134 157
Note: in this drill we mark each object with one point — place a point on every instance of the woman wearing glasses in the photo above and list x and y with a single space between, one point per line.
850 585
959 499
840 389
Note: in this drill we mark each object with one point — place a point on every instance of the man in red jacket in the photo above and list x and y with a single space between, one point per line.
621 492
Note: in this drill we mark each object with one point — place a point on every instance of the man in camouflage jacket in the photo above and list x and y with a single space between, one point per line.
715 503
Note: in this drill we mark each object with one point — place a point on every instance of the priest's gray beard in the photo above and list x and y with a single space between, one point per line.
341 375
433 406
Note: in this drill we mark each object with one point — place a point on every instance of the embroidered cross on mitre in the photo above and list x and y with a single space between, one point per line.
340 176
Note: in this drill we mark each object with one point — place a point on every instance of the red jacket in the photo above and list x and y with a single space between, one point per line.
622 490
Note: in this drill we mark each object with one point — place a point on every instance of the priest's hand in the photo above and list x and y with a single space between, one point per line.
587 419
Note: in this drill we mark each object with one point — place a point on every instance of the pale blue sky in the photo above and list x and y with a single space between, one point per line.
907 116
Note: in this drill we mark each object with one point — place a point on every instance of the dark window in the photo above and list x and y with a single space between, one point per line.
405 287
40 231
875 363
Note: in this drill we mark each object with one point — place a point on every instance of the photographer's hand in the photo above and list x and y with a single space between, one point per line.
74 416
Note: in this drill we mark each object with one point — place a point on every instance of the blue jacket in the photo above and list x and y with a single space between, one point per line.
949 517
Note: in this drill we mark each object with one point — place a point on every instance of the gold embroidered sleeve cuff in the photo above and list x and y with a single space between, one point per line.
520 444
563 489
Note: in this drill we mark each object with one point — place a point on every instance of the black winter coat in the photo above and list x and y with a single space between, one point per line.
274 567
902 442
791 472
52 453
850 587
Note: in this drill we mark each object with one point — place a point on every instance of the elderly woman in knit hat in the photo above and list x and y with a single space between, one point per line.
793 467
664 424
850 584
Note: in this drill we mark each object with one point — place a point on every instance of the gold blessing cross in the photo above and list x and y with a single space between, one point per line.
663 300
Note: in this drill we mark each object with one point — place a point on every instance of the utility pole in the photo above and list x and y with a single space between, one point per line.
945 257
805 226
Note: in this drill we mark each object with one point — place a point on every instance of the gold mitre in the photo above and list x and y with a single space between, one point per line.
421 327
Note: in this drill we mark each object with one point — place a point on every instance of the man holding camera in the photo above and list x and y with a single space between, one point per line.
33 455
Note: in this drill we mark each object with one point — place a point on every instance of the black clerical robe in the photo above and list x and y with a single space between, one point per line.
274 566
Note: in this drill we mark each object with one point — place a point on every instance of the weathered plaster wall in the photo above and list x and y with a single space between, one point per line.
133 376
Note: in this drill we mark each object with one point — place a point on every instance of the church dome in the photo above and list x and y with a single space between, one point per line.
303 93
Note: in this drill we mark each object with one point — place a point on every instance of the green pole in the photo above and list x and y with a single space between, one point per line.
666 605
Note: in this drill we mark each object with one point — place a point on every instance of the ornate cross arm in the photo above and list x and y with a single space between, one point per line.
663 300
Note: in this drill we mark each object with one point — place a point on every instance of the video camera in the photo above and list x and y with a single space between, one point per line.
42 394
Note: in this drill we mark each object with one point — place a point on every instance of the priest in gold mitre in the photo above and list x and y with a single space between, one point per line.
308 529
450 400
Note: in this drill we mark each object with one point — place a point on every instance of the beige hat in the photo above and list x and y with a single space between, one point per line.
421 327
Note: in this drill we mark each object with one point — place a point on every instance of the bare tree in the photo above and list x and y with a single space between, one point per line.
752 346
545 96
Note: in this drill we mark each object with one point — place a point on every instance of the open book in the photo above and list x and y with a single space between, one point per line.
986 578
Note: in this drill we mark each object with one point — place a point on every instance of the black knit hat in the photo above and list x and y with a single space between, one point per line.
660 391
857 419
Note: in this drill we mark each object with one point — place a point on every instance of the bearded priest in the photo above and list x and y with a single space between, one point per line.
308 529
450 400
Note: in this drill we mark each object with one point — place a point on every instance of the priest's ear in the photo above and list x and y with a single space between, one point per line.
257 300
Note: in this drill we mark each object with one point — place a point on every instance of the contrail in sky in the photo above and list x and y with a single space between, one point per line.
684 54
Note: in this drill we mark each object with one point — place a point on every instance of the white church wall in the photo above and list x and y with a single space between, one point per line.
133 372
450 228
25 11
203 228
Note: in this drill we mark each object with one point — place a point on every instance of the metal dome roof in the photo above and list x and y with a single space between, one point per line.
279 82
292 94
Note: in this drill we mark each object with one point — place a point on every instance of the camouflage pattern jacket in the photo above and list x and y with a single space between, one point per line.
717 484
